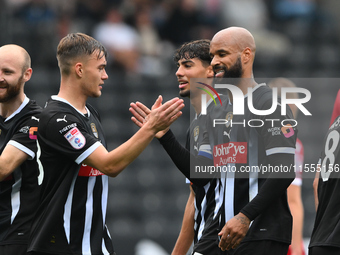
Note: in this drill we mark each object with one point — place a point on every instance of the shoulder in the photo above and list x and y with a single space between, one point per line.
262 95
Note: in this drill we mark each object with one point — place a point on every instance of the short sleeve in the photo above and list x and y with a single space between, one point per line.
66 134
25 137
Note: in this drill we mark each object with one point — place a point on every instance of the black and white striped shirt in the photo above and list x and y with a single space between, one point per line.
72 211
240 147
19 192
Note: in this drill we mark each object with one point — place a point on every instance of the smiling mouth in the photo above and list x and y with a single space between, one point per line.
183 85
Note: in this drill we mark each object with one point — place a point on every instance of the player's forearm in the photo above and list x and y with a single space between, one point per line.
272 189
296 208
10 159
297 213
183 159
186 236
113 162
315 189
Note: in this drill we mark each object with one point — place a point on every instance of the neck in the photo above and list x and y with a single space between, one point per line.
8 108
196 103
243 85
71 93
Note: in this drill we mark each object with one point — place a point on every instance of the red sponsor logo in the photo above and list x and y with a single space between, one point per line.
233 152
88 171
74 131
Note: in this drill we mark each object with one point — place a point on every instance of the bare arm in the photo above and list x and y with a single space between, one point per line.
10 159
315 188
186 236
113 162
296 208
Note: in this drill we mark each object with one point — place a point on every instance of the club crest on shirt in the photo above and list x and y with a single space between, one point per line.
75 138
196 133
94 130
229 118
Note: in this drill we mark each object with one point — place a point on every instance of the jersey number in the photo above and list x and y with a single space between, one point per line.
331 146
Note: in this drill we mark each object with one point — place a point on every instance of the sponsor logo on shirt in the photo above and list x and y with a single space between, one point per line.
68 127
274 131
88 171
32 133
62 119
287 131
233 152
35 118
75 138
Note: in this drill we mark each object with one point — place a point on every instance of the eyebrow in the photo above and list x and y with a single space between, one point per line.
186 61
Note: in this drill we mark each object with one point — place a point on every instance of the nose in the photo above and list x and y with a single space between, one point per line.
179 71
105 75
215 61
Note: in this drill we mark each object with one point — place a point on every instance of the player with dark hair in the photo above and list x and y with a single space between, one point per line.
71 217
19 189
200 220
256 215
326 231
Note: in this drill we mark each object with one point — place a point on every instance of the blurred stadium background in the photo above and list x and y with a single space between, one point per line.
296 39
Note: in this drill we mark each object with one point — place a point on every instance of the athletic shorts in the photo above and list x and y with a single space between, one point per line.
265 247
17 249
206 247
324 250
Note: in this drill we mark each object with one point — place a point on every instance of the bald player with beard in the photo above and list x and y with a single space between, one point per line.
256 217
18 133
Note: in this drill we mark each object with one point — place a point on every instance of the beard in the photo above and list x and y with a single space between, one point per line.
184 93
12 91
235 71
233 74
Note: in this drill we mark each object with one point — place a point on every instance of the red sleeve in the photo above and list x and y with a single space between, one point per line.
336 108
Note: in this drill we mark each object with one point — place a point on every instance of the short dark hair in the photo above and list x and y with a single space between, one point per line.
194 49
74 46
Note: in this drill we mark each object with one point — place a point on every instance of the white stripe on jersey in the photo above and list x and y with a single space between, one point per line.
218 197
229 194
287 150
105 251
203 210
86 243
68 209
253 185
105 181
15 194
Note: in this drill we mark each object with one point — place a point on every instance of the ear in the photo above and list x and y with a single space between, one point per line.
210 72
247 55
79 69
28 74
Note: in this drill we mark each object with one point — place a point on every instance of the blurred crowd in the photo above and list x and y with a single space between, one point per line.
142 34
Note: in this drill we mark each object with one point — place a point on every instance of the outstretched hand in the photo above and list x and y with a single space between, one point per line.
233 232
160 117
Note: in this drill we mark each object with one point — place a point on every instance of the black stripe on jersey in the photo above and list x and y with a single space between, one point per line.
78 214
97 220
